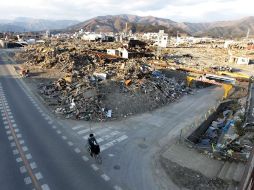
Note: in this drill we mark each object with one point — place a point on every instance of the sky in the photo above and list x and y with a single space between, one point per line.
177 10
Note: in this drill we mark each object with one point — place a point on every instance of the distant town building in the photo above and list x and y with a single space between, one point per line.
97 37
162 39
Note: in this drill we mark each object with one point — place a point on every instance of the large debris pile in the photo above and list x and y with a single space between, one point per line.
82 95
97 86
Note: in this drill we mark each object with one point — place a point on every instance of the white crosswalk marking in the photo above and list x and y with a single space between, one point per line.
103 135
78 127
111 143
83 131
98 132
106 137
103 130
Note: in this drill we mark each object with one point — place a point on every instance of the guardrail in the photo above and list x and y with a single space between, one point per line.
247 182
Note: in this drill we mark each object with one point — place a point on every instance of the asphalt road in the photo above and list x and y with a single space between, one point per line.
33 156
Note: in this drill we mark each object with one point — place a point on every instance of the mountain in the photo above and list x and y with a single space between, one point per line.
237 28
24 24
117 23
135 23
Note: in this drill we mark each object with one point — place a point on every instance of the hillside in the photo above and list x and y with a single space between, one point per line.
23 24
117 23
135 23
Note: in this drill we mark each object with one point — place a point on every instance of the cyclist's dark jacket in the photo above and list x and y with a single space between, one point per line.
95 148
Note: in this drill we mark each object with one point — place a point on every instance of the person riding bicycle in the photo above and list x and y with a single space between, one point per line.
93 145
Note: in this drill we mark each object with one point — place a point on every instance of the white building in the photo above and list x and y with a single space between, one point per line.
92 36
160 38
121 52
243 61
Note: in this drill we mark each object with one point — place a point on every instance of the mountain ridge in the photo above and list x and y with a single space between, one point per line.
26 24
116 23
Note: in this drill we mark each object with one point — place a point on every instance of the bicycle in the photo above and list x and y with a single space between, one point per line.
97 157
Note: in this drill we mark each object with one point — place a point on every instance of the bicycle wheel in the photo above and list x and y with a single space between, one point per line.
98 158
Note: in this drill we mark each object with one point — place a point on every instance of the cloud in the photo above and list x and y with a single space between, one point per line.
180 10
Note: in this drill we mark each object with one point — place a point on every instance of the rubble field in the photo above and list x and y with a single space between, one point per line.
79 83
207 56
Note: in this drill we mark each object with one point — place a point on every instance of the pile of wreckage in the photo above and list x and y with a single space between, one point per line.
80 96
225 138
81 93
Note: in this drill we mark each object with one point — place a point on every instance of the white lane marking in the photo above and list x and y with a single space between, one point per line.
24 148
22 169
15 151
85 158
27 180
18 159
106 137
58 132
116 187
83 131
105 177
64 137
50 122
13 144
70 143
21 142
101 131
16 130
77 150
111 143
45 187
28 156
33 165
95 168
38 176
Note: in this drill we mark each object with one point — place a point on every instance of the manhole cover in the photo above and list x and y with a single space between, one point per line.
143 146
117 167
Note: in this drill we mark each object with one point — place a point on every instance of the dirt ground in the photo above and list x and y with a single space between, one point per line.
189 179
206 57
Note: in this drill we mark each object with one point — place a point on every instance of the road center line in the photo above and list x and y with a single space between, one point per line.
22 155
